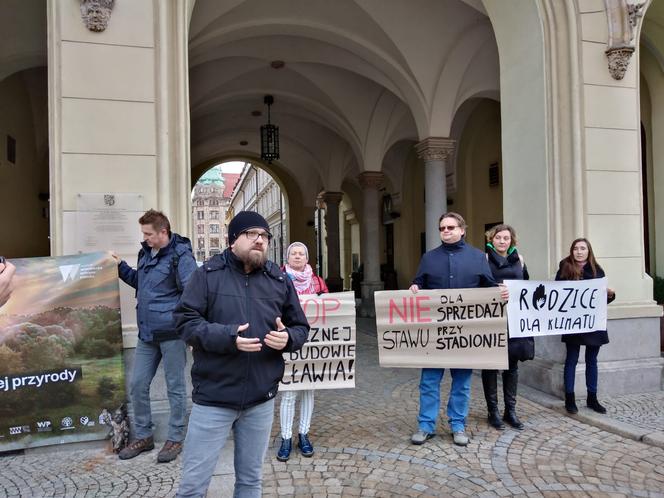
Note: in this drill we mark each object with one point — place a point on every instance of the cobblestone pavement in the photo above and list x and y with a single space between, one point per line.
363 449
644 410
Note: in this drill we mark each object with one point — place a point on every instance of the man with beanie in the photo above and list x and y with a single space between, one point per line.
239 313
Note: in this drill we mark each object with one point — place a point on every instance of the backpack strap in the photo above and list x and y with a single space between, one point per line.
178 280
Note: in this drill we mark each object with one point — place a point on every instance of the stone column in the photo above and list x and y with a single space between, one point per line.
332 200
435 152
370 181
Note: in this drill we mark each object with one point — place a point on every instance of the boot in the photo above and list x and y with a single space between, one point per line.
510 382
306 448
285 450
593 404
490 385
570 403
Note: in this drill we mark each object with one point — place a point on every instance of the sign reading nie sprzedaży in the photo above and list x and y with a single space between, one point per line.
452 328
538 309
327 360
61 371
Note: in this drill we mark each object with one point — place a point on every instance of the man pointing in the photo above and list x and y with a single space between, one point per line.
239 313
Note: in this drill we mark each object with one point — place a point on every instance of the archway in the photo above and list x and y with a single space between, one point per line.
24 152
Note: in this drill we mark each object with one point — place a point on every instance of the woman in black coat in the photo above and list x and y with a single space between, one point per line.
581 265
506 264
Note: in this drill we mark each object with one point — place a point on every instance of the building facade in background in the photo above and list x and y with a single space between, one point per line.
257 191
209 202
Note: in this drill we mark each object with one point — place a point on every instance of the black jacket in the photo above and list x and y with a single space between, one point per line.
511 268
218 299
599 337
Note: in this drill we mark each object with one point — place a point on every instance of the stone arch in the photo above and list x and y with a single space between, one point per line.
298 217
651 65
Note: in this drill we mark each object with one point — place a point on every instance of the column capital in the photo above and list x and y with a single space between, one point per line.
435 148
331 197
371 179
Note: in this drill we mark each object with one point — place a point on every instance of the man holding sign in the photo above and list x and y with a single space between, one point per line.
452 265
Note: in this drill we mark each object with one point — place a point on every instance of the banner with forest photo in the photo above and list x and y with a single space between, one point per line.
61 373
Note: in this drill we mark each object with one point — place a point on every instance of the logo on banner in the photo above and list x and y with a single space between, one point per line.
109 200
44 426
69 272
66 424
13 431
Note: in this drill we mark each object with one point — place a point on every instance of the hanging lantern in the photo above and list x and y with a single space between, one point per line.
269 136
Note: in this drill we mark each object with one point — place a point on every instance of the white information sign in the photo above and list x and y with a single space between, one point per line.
544 308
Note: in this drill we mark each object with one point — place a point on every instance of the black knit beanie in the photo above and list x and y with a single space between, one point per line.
243 221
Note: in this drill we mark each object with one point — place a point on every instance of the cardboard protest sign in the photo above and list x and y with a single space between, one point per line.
452 328
61 373
543 308
327 360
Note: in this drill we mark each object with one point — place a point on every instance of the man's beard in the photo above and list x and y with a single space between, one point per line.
254 260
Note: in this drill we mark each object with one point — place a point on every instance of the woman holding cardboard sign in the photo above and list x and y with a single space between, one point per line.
506 264
581 265
305 282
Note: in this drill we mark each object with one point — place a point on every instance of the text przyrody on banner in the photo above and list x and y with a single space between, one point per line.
544 308
451 328
327 359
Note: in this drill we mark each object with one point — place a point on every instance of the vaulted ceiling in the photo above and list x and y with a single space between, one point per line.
358 77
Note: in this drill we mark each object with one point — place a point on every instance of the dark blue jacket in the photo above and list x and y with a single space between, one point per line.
219 298
454 266
156 285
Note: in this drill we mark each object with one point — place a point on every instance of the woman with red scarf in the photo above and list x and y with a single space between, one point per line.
306 282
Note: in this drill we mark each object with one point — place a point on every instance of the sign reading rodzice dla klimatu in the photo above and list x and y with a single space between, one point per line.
543 308
327 359
61 373
451 328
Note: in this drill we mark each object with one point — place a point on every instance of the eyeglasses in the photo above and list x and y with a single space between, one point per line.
253 235
448 227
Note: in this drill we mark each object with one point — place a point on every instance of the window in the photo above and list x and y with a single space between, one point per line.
214 228
214 215
200 215
214 202
200 202
214 252
201 229
201 243
200 255
214 242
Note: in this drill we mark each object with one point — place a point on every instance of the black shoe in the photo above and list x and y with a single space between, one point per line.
284 452
494 420
593 404
570 403
511 418
136 448
306 448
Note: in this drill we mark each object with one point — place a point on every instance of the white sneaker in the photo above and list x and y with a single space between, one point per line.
420 437
460 438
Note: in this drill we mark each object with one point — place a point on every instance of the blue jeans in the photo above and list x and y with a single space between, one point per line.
146 361
209 427
572 359
457 404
